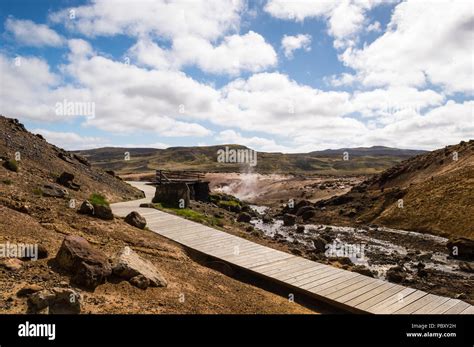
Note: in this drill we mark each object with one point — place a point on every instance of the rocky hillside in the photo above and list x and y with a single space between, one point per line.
328 162
107 264
432 193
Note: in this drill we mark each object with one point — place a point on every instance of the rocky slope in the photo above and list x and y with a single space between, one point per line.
431 193
94 265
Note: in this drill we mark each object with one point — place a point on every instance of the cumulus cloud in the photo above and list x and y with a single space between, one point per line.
234 54
345 18
70 140
201 33
28 33
427 50
291 43
230 136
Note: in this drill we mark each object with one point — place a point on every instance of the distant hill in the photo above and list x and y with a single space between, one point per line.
436 192
328 162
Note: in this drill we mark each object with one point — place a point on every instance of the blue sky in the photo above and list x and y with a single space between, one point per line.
273 75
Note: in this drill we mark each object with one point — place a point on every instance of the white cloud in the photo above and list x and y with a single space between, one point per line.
230 136
70 140
345 18
208 19
29 33
423 44
234 54
291 43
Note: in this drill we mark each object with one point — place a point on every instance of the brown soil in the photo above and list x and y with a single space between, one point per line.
28 217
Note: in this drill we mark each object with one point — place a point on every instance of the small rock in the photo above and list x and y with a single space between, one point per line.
267 219
244 217
289 219
28 290
362 270
300 229
396 274
12 264
465 266
54 191
136 220
129 264
103 212
57 300
140 281
319 244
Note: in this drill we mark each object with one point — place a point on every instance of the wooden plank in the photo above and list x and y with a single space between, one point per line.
416 305
445 306
469 310
373 300
432 305
330 284
324 278
337 293
341 286
355 298
458 308
300 273
397 301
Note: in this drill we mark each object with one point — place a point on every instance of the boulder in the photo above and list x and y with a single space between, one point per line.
54 191
362 270
86 208
304 209
89 266
244 217
136 220
308 214
289 219
319 244
300 229
57 300
267 219
396 274
462 248
66 179
129 265
103 212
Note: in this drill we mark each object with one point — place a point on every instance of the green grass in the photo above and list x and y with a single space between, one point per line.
98 199
7 182
226 203
12 165
38 191
187 213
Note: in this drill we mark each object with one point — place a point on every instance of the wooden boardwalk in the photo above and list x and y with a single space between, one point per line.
344 289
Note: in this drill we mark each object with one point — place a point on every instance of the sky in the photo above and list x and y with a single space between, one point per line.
274 75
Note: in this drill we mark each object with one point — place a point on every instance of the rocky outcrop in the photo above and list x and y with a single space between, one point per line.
66 179
140 272
89 266
86 208
54 191
136 220
57 300
172 194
